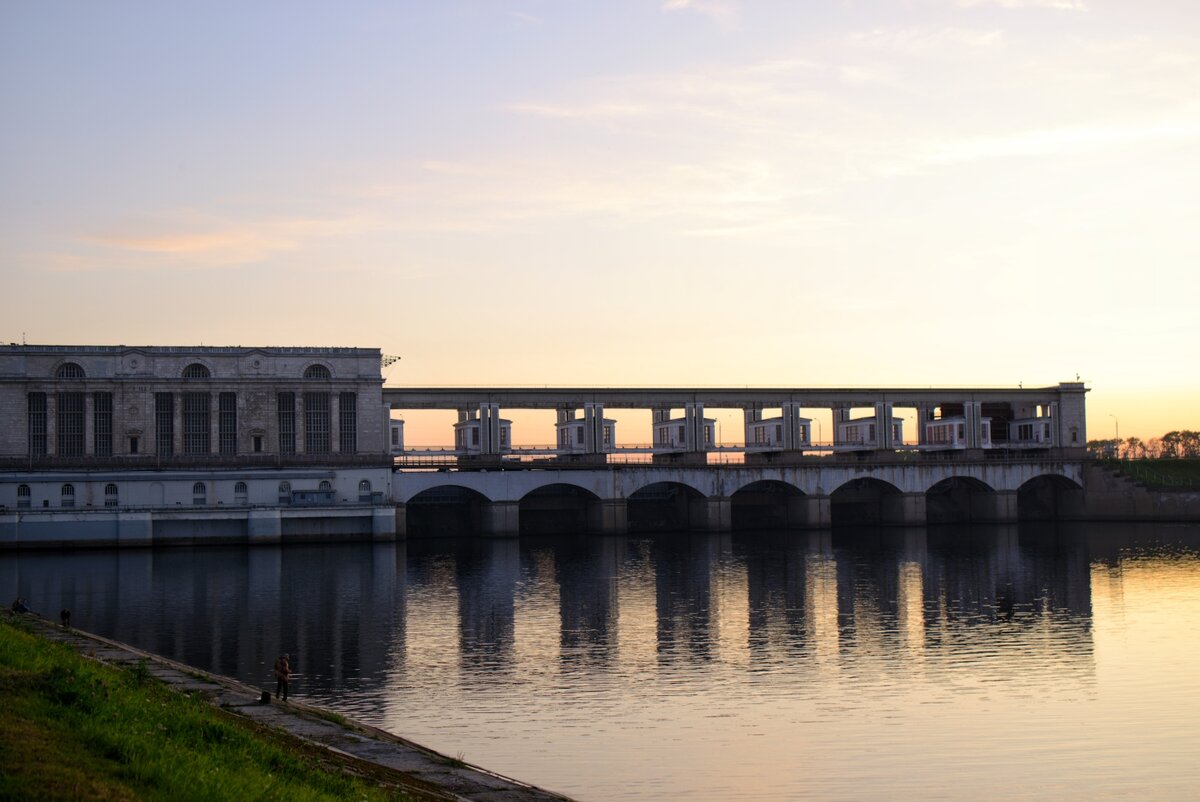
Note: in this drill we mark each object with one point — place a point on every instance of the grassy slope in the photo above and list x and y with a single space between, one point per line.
1175 474
73 729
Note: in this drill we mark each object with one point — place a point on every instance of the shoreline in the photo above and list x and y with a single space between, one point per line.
374 751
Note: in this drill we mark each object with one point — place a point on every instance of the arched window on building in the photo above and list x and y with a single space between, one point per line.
199 493
364 490
196 371
316 372
24 497
239 493
68 495
325 485
285 492
110 495
69 370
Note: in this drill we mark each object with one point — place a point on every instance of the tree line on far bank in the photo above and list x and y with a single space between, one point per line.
1172 445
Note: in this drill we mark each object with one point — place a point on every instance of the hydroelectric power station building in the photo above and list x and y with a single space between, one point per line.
141 444
145 445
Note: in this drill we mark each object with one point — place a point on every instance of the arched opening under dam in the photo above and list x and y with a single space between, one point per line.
665 507
866 501
1048 497
768 504
445 511
960 499
558 509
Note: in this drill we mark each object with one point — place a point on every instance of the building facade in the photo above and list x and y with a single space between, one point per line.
117 428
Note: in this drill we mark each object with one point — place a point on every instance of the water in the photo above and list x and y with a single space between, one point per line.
952 663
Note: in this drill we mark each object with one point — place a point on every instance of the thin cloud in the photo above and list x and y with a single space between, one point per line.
1059 5
217 242
719 12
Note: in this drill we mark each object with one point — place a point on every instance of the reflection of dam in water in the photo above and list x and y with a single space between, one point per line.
347 611
812 661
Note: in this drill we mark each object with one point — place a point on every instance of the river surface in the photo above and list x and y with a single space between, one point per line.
948 663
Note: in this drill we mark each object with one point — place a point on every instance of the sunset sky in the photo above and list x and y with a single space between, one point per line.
676 192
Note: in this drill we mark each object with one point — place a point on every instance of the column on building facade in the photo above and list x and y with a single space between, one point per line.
792 436
883 425
214 423
1055 429
924 415
335 423
693 419
658 414
593 428
489 428
840 414
89 424
973 413
176 424
751 413
51 423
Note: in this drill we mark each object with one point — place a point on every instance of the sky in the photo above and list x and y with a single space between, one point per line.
627 192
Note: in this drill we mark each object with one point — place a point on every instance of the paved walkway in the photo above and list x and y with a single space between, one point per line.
409 765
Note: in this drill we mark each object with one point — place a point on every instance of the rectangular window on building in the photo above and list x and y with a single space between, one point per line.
227 423
70 424
37 424
102 432
164 424
196 425
286 411
607 435
133 445
348 422
779 433
257 441
316 423
395 437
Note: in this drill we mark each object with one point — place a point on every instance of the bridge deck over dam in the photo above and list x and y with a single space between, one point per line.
614 499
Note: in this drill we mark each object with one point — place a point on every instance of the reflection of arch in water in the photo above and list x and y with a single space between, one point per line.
865 501
559 508
1048 497
960 499
445 511
768 504
666 507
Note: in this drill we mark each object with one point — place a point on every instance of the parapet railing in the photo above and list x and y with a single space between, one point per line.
193 462
816 454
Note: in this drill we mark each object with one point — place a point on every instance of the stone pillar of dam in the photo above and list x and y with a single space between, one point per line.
998 507
501 519
713 514
609 516
904 508
264 526
383 524
135 528
809 512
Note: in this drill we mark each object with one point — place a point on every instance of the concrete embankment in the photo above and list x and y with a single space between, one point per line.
427 773
1110 496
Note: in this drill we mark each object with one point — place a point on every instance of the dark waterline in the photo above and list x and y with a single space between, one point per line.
1022 662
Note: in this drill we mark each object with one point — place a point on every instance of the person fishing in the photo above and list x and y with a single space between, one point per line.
283 675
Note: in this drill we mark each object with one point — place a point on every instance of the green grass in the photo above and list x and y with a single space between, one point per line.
1177 474
73 729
